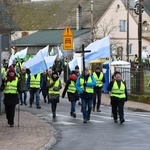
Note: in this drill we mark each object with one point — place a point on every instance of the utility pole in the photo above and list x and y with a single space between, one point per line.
127 46
92 19
140 32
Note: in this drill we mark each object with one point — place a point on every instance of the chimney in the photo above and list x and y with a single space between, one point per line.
24 33
79 17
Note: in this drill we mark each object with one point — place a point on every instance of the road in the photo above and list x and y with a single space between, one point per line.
101 133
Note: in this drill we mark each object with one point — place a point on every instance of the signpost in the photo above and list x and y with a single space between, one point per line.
67 42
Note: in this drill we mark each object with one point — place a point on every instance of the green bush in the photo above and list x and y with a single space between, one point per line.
139 98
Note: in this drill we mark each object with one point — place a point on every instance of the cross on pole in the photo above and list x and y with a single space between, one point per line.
83 58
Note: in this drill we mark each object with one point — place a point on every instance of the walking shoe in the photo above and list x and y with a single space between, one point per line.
21 104
74 115
54 115
88 118
122 121
115 121
71 113
98 110
25 103
11 125
85 121
44 100
38 107
30 106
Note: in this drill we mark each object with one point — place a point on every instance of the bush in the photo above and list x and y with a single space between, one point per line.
139 98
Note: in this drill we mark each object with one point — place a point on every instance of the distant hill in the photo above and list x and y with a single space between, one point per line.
55 14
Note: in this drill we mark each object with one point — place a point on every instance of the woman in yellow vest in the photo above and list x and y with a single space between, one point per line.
118 95
100 79
54 86
10 86
85 86
72 93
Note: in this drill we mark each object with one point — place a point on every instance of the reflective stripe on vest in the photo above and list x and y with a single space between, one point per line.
51 91
87 89
118 92
98 79
71 87
35 82
11 87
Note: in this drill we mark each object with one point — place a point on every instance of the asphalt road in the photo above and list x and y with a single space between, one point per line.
101 133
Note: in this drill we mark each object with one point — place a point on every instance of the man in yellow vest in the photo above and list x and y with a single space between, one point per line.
85 86
118 95
100 79
33 85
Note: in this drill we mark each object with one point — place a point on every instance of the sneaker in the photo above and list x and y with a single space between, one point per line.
11 125
38 107
54 115
93 109
71 113
44 100
88 119
30 106
21 104
25 103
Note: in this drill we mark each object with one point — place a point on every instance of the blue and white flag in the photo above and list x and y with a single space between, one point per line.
21 54
72 64
50 60
60 54
36 64
45 51
99 49
52 52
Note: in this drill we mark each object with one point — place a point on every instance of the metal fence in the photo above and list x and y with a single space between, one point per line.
137 80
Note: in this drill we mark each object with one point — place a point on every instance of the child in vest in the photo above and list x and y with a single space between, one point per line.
72 93
54 86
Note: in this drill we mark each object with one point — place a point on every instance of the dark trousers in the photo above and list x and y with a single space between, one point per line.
98 93
118 108
10 114
53 106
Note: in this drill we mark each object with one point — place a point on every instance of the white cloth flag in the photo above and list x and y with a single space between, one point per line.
52 52
11 59
44 51
60 54
21 54
73 63
50 60
99 49
36 64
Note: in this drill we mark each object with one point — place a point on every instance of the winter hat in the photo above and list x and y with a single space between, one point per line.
77 67
55 72
11 69
98 68
117 72
73 72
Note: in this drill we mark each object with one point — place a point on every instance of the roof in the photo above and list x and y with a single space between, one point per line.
56 14
6 22
51 37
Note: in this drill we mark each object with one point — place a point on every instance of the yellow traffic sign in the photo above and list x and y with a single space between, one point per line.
67 39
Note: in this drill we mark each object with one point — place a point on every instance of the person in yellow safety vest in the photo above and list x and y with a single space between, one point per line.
34 86
85 86
54 85
72 93
4 70
100 79
118 95
10 87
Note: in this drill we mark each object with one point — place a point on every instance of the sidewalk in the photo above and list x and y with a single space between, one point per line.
35 134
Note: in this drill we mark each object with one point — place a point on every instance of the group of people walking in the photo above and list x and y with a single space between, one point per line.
85 87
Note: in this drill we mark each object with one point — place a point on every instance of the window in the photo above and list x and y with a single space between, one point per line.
144 48
123 25
130 48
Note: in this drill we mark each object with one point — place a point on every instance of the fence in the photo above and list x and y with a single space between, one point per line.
137 80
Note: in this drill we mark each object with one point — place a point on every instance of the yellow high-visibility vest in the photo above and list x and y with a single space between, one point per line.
35 82
72 87
98 79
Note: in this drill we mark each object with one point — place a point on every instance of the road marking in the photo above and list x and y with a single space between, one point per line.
64 123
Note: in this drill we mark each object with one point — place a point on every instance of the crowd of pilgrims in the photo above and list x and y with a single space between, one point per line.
85 88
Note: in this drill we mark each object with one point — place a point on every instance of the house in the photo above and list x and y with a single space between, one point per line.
114 23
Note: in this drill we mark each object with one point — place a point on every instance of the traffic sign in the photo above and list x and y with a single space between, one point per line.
67 39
